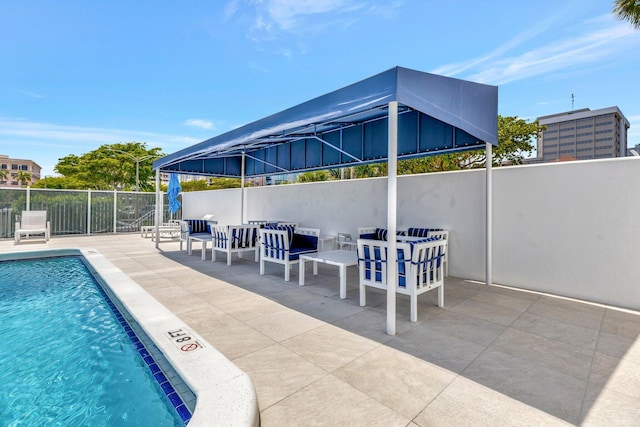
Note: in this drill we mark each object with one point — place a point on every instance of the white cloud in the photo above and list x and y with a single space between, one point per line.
272 19
32 94
588 48
45 143
37 133
199 123
288 14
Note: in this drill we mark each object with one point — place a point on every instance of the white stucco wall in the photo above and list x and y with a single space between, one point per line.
568 228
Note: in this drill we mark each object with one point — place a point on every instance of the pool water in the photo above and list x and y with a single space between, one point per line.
67 358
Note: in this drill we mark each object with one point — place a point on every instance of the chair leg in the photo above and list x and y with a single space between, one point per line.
287 272
441 296
204 250
228 257
414 307
262 267
257 251
213 254
363 295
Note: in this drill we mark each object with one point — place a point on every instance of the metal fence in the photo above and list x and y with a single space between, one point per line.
82 211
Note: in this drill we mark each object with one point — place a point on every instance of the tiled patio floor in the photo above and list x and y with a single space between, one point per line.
492 356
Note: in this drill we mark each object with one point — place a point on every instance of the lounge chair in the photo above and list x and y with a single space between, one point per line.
33 222
235 239
420 268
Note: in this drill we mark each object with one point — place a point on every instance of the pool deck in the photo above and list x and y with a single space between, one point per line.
491 356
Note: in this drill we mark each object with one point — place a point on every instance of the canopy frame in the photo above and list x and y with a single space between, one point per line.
372 121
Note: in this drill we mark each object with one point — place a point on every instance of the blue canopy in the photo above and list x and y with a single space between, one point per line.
173 191
397 114
349 126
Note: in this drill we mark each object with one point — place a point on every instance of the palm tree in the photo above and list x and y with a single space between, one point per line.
3 174
23 177
628 10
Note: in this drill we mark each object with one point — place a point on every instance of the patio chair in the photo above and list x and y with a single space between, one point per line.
285 245
376 233
185 229
419 269
434 232
196 230
33 222
235 239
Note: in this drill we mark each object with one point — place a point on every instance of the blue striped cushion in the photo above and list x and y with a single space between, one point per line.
381 234
289 229
198 226
421 232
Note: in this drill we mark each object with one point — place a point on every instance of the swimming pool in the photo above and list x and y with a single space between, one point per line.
69 356
221 392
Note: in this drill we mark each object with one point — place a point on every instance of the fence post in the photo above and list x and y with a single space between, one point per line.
115 211
28 207
88 211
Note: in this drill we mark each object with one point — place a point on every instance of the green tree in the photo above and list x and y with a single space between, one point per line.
313 176
515 140
122 166
3 174
209 184
628 10
59 182
23 177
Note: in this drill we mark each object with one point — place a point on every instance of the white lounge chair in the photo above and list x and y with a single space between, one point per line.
420 269
33 223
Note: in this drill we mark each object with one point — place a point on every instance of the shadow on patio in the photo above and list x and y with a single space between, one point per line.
557 355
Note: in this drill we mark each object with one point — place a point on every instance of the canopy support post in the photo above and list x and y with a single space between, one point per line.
489 170
392 201
157 213
242 188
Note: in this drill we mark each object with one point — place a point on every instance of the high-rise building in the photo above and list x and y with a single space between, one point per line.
582 134
13 167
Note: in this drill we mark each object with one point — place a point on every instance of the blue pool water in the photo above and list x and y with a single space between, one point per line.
69 358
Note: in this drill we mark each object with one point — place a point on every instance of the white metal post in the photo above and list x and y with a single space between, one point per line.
157 212
88 211
115 211
489 171
28 207
392 200
242 189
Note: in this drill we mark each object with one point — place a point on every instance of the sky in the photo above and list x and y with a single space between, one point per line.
75 75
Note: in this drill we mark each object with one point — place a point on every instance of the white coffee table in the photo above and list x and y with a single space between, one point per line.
340 258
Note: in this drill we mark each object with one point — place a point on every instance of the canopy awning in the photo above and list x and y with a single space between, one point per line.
349 126
397 114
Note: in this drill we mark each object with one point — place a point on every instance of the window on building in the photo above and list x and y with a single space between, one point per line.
4 166
24 167
14 166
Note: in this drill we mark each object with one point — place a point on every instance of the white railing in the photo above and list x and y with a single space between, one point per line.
81 211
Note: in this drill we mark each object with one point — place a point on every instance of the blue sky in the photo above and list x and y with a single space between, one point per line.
78 74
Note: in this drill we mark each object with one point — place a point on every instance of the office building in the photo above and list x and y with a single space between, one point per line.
582 134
